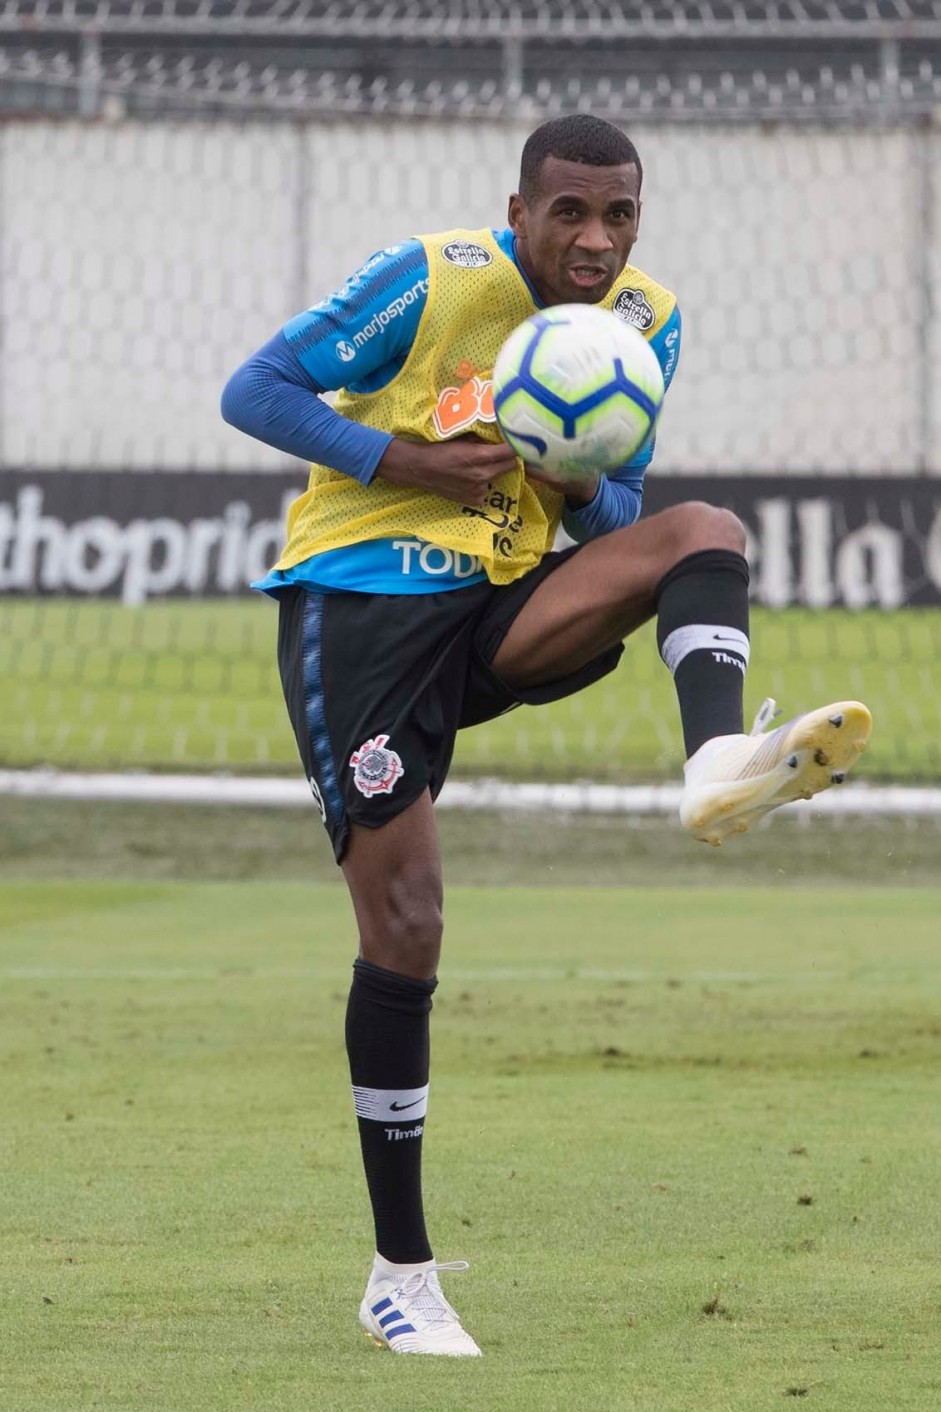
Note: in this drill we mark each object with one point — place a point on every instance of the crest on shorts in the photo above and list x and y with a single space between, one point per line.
376 769
632 307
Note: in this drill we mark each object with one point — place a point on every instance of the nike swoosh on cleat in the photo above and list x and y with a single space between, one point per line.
400 1107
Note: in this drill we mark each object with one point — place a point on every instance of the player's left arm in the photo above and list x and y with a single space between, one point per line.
618 499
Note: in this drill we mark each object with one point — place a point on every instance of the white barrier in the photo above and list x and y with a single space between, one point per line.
581 796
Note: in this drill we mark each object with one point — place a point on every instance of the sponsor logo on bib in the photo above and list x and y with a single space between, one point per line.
460 407
632 307
466 255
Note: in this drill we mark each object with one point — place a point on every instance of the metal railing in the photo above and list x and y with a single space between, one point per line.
475 20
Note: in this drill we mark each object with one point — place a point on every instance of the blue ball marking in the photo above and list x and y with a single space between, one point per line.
523 379
536 442
636 394
540 325
567 412
505 393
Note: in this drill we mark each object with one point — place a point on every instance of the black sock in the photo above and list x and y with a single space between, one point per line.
388 1047
702 633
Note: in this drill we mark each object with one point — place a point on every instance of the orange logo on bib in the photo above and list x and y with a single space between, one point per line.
460 407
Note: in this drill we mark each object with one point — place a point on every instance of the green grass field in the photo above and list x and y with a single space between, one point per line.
193 685
686 1135
684 1105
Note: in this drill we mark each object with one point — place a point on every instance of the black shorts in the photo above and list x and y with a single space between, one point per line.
378 685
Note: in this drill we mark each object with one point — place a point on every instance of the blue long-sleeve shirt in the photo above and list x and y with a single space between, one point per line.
276 396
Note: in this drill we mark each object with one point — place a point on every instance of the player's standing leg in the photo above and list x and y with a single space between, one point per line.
369 695
394 876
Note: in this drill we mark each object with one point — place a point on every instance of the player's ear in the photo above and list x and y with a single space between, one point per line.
516 214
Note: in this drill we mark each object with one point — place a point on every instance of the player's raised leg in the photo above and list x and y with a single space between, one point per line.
686 565
394 877
734 780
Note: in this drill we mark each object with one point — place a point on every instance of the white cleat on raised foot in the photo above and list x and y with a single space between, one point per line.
733 780
407 1312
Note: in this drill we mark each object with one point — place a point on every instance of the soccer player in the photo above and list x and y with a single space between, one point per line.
419 594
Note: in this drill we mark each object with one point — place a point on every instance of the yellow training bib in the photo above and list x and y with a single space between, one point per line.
476 297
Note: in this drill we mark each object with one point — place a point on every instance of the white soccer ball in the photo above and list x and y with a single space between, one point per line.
576 390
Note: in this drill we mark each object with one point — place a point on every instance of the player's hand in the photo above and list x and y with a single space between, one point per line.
462 469
580 490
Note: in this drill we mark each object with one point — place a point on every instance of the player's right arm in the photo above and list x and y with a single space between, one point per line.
276 396
619 496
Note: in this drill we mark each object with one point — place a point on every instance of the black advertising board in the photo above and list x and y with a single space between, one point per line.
834 541
140 535
828 541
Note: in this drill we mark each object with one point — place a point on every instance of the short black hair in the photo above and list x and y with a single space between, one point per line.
579 137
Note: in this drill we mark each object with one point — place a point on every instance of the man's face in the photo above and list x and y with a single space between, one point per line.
575 237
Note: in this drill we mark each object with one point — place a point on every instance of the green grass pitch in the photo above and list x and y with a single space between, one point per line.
688 1139
193 685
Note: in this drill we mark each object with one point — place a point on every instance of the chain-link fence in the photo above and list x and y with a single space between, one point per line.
142 261
693 58
176 180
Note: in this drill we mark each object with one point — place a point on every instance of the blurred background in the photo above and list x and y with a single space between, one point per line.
179 177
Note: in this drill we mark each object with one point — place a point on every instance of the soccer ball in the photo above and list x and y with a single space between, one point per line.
576 389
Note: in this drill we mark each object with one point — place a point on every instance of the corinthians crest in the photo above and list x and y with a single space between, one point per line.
376 769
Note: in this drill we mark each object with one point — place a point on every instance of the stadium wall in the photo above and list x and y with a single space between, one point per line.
140 262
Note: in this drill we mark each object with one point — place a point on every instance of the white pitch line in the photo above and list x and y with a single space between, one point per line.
456 977
500 795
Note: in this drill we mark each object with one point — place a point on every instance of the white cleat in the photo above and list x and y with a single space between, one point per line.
734 780
408 1313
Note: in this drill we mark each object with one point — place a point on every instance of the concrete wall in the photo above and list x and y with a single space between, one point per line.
140 263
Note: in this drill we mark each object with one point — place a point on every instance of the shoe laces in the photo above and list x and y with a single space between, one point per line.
767 712
422 1294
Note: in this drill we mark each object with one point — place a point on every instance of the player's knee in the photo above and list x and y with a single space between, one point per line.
729 530
403 931
696 525
414 919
